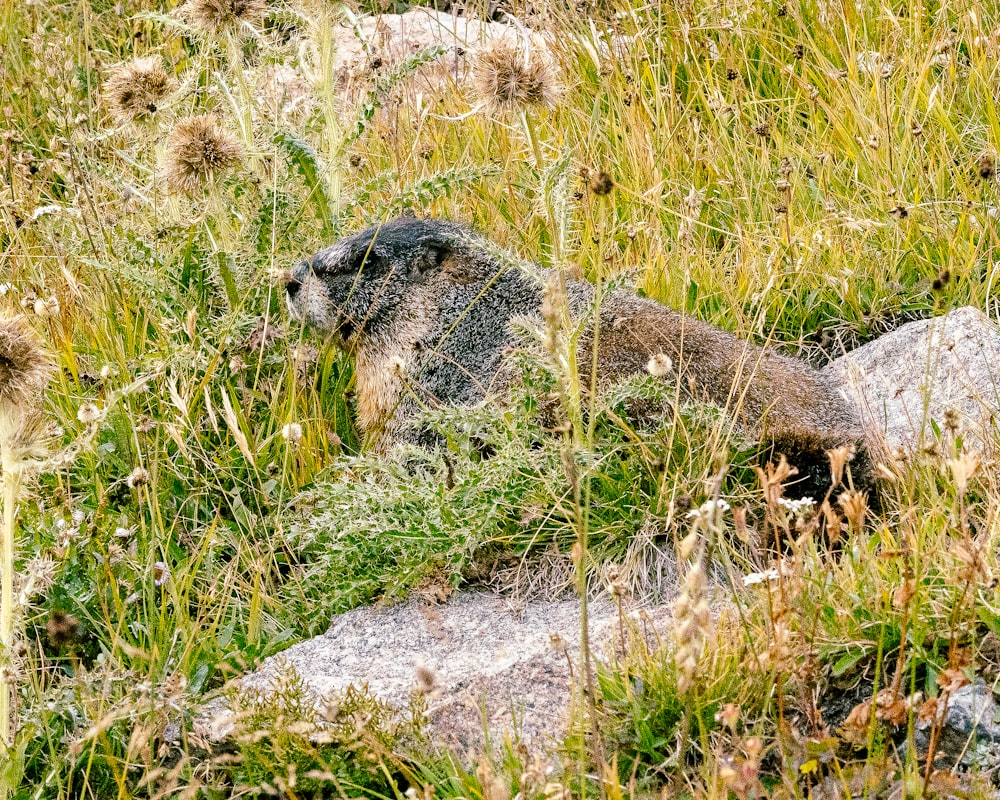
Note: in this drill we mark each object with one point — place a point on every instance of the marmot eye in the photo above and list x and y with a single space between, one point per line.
365 260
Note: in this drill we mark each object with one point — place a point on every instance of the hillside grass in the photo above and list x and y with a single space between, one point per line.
805 174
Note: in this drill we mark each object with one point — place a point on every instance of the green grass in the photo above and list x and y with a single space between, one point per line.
771 175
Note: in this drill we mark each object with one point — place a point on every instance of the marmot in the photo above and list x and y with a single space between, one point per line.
426 311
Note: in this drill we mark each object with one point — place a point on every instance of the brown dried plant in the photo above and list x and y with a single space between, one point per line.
199 151
511 78
24 374
215 16
135 91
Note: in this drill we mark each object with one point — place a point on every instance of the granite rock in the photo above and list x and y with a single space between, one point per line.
484 663
942 372
970 730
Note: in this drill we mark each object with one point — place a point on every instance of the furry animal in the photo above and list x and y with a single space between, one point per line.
426 311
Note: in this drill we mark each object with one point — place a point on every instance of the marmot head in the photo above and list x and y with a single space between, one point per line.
355 286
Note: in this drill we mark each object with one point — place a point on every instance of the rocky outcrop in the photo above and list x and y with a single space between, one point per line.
482 661
377 43
941 373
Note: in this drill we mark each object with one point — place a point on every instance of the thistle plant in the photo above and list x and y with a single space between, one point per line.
135 91
212 17
24 374
198 151
521 79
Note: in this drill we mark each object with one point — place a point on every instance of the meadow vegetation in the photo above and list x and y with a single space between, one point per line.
191 494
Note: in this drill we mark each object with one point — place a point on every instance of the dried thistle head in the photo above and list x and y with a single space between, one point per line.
839 456
137 477
986 166
427 680
772 479
659 365
602 184
508 77
135 90
855 507
198 151
25 434
214 16
494 786
24 366
62 628
963 469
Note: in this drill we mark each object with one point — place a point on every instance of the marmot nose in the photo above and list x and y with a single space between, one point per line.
292 286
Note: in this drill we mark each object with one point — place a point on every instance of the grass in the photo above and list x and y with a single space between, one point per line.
806 174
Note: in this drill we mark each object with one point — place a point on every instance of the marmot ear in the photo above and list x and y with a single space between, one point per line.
431 256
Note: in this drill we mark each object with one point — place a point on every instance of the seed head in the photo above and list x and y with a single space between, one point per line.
62 628
943 279
89 413
855 506
512 78
602 184
198 151
24 366
161 573
426 679
215 16
839 457
46 306
292 433
964 468
135 90
986 166
137 477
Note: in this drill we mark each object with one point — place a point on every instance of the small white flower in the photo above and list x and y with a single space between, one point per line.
89 413
797 507
44 211
708 510
659 365
47 307
292 433
759 577
161 573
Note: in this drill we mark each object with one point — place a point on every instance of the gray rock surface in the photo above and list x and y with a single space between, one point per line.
371 46
384 40
487 663
944 370
970 735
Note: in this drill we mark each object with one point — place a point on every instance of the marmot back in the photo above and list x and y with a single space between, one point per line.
426 311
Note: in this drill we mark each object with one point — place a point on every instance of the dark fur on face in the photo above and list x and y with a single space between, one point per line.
357 285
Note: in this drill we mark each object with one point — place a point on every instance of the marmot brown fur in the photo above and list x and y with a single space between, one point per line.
426 311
